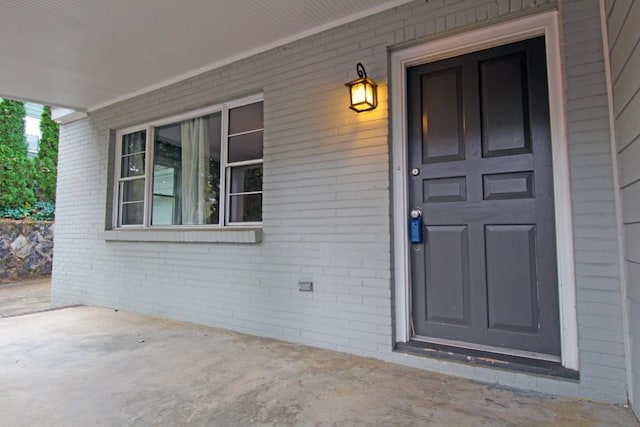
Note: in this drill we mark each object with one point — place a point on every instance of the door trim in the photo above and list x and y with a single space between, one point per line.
542 24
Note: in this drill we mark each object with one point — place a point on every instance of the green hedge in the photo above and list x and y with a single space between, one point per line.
28 188
16 170
46 163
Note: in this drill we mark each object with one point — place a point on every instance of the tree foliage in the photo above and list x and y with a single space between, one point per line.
16 170
47 160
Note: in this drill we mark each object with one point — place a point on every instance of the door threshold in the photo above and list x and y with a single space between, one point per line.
488 358
487 348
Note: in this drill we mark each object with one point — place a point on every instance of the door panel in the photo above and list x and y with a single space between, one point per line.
438 190
447 263
504 123
443 126
502 186
511 277
478 128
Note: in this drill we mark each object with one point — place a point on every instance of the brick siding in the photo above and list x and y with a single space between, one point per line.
327 200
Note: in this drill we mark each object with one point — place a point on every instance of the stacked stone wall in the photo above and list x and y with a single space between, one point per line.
26 249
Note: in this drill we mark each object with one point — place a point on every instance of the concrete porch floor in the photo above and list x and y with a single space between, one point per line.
93 366
25 297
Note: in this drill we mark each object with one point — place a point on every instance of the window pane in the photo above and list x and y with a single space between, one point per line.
164 210
245 147
164 195
246 118
134 142
164 180
133 191
245 208
32 143
214 195
132 165
246 178
132 213
186 178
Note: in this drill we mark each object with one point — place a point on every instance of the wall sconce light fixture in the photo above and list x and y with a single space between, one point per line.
363 92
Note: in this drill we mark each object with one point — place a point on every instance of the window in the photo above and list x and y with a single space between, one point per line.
201 168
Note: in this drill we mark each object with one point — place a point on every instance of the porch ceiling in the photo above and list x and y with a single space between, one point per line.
84 54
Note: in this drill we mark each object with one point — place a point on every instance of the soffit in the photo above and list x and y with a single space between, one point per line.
85 54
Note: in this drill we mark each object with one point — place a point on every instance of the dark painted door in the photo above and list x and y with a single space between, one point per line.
481 173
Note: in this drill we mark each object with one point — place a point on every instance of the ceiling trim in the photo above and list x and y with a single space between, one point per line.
66 115
251 52
41 102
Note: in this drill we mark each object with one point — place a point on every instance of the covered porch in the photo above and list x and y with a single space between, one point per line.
305 236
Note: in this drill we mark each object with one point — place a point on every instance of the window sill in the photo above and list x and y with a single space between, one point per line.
202 235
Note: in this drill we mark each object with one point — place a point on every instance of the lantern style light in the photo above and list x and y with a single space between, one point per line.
363 91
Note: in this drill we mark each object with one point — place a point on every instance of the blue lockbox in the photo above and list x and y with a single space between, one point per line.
415 230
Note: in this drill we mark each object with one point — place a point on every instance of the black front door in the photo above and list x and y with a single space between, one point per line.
481 174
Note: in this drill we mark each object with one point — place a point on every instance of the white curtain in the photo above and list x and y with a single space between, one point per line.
195 171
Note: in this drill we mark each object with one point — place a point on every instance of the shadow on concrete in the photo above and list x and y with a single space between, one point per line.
25 297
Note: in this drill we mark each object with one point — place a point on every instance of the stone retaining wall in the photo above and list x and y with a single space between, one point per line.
26 249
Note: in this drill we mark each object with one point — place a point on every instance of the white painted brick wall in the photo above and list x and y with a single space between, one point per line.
600 334
624 42
326 200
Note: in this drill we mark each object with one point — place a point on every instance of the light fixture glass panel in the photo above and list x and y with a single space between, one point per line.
358 93
368 94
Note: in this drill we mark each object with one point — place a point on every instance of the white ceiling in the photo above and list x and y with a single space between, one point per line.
85 54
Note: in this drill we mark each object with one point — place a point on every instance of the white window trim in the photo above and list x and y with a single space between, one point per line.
117 196
149 127
225 175
546 24
187 234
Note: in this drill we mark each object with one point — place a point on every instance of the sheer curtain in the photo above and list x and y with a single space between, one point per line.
195 171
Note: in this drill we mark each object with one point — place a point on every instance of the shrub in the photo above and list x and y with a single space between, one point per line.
13 213
46 164
16 170
43 211
40 211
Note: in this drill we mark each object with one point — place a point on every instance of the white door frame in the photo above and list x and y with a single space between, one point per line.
520 29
